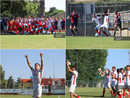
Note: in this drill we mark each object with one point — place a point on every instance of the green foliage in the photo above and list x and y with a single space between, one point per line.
18 84
10 84
87 62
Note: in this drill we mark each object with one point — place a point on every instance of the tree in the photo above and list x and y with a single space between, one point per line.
42 7
18 84
52 9
2 79
87 62
10 84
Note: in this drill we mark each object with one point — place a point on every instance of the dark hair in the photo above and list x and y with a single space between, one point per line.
74 9
114 67
74 66
37 63
121 69
118 70
105 11
128 66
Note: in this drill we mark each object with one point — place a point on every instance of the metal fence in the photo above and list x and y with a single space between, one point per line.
85 11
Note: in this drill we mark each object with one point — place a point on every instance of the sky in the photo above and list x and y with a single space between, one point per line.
118 58
59 4
14 63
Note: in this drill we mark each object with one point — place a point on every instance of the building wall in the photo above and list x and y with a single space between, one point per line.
27 85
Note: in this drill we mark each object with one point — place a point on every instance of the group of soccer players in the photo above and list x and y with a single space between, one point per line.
120 81
101 25
31 25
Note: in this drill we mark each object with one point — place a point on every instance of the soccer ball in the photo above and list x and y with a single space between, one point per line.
97 35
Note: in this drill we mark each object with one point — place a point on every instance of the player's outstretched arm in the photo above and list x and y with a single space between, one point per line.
68 67
68 17
28 62
41 55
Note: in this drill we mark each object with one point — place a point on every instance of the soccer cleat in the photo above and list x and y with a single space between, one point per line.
102 96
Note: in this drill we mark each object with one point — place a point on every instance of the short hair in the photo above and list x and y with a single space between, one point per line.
74 10
128 66
118 70
114 67
116 10
121 69
105 11
74 66
37 63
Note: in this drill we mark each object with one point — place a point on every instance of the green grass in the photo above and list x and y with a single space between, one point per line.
95 43
30 96
89 92
32 42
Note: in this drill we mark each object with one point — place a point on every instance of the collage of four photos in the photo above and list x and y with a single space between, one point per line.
65 49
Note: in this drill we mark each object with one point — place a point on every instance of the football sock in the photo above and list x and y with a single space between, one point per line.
72 32
111 92
99 33
105 33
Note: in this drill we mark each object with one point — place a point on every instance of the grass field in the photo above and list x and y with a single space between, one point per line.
30 96
32 42
95 43
89 92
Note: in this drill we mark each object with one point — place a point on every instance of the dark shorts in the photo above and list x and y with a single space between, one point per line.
49 90
119 25
63 27
73 24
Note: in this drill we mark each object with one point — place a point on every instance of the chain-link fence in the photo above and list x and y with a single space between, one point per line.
85 11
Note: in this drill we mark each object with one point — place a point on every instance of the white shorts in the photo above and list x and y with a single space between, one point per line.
98 26
107 85
113 84
59 27
37 91
72 88
5 28
106 26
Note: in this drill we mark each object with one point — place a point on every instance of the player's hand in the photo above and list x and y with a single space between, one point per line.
67 62
41 54
26 56
68 17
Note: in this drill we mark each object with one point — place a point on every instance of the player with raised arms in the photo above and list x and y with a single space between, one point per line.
106 74
74 21
37 77
73 80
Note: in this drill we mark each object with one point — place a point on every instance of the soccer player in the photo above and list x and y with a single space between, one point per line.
74 22
119 82
59 24
37 77
117 21
107 81
73 80
97 20
127 84
105 24
114 81
49 88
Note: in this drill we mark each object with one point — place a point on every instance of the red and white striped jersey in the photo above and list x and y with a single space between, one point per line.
37 77
120 81
115 75
128 77
123 79
74 78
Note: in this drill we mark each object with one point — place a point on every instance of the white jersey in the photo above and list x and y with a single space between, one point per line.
74 78
106 20
59 23
97 20
48 23
128 77
123 80
120 81
115 75
37 77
